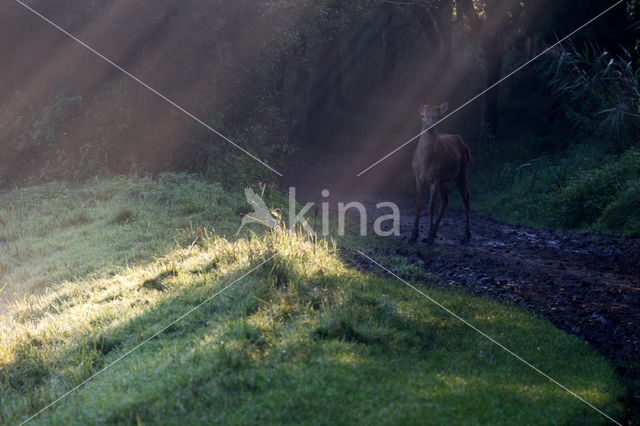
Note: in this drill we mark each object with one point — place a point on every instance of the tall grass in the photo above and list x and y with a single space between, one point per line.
600 94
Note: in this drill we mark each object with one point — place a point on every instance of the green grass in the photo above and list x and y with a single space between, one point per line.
56 232
304 338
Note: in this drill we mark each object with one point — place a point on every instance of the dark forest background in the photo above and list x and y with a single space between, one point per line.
279 76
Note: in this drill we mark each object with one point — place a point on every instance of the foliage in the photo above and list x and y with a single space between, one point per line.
581 178
622 213
585 196
39 130
299 334
600 94
101 121
582 188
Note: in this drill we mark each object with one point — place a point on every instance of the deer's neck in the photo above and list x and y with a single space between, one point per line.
429 136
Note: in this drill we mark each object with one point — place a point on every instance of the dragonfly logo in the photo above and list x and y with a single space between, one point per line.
261 213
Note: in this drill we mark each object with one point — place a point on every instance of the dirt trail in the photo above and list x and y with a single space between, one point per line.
584 283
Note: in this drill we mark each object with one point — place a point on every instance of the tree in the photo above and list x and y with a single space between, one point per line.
390 44
497 24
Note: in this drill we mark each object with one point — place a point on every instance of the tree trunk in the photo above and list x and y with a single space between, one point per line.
300 92
320 88
389 41
444 17
327 82
281 66
336 69
493 57
429 79
436 23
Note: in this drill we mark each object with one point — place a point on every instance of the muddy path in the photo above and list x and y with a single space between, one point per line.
586 284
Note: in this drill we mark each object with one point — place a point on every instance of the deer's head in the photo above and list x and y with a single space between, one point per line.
432 114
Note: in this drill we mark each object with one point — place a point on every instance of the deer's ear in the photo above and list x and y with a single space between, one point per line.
444 107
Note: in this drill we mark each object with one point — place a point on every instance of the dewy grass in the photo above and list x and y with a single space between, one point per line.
302 339
56 232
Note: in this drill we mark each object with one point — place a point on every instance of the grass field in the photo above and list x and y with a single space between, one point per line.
92 271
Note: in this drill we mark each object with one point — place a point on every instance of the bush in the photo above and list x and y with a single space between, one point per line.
600 94
624 212
586 196
582 188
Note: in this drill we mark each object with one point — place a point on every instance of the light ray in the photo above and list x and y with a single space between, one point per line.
490 87
172 103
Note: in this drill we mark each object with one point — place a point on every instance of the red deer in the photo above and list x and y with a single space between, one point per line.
439 158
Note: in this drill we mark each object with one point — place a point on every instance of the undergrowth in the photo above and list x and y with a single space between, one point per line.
584 188
585 173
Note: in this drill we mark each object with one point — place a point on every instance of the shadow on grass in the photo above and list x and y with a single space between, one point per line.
320 349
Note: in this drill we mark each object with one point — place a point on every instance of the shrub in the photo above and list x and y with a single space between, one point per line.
600 95
586 196
624 212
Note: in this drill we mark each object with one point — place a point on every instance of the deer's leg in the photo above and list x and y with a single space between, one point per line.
463 187
444 200
432 206
419 202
